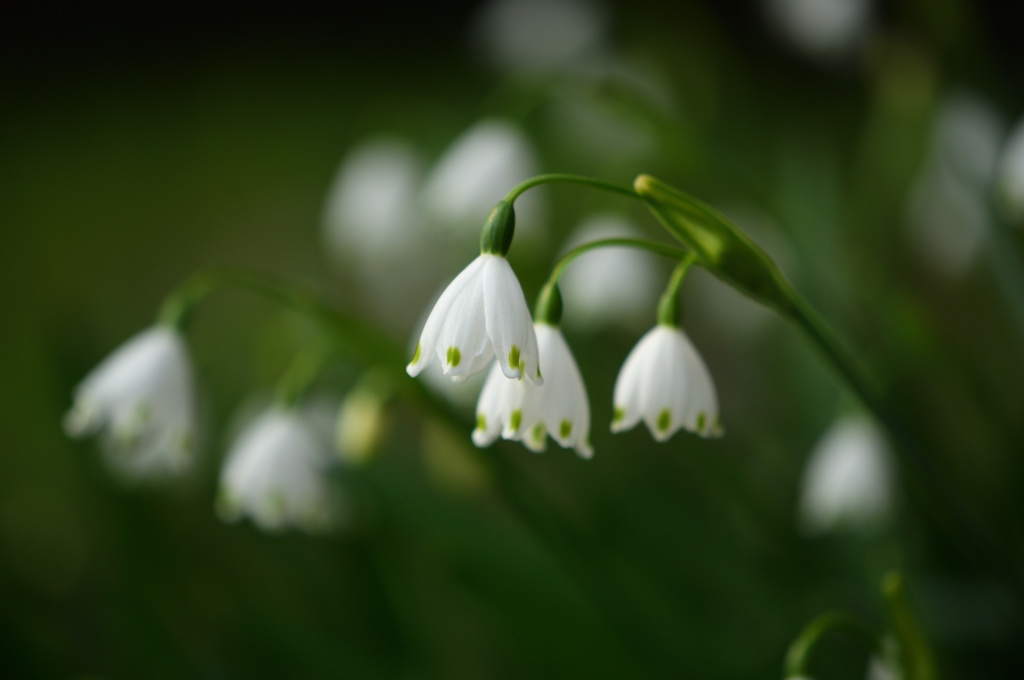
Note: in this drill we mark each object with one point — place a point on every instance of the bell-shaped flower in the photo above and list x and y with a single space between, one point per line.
371 216
538 36
526 412
665 383
848 482
142 399
276 473
481 314
1010 179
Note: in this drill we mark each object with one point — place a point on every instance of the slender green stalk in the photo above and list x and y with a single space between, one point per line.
666 250
799 655
359 338
668 305
519 189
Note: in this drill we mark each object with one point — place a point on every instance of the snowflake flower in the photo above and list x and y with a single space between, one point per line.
141 398
276 473
665 383
528 413
480 315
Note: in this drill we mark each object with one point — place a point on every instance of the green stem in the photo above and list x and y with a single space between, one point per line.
519 189
360 339
642 244
668 305
799 654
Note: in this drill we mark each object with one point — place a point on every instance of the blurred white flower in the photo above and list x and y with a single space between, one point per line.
880 669
142 398
276 473
595 298
539 35
526 412
371 209
825 30
476 171
1010 180
848 481
481 314
665 383
948 211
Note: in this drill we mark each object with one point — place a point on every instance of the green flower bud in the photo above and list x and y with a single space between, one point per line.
719 244
549 305
496 235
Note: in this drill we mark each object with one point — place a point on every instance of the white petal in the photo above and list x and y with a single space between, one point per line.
628 385
463 337
426 348
509 325
491 408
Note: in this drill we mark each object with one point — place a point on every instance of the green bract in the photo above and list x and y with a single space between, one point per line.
497 232
720 246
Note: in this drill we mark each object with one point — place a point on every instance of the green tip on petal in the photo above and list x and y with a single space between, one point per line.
481 422
454 356
702 420
516 419
664 420
537 433
416 354
618 413
565 429
513 358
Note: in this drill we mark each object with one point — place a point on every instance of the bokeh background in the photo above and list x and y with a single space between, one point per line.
858 141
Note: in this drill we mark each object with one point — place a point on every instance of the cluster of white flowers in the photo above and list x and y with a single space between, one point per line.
141 398
535 388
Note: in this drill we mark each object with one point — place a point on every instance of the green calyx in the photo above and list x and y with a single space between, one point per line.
497 232
720 246
548 309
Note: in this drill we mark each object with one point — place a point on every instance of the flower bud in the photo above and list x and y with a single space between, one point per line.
720 246
496 235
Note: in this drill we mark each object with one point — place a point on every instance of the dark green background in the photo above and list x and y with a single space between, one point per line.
135 150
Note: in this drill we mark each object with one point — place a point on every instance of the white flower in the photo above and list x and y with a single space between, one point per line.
848 480
141 397
540 35
476 171
371 210
665 383
947 210
1010 181
276 473
599 299
481 314
825 30
528 413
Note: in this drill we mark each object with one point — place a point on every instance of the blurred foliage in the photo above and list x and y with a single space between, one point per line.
127 166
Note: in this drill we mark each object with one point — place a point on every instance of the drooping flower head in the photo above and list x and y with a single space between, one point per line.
480 315
665 383
276 473
848 481
526 412
141 398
